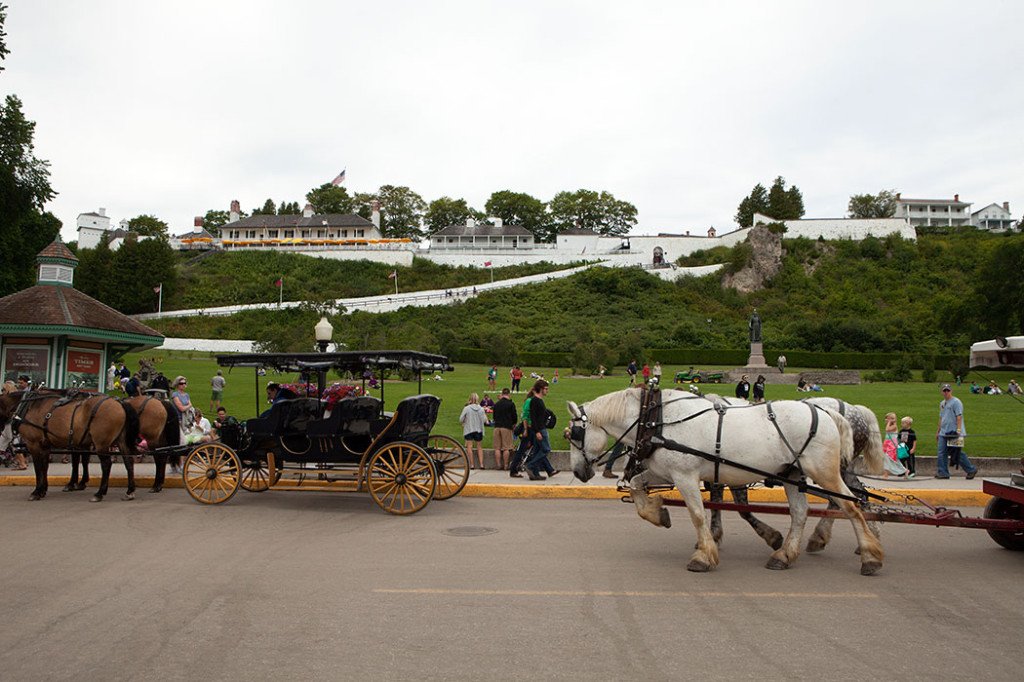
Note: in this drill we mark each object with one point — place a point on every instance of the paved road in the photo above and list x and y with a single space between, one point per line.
325 586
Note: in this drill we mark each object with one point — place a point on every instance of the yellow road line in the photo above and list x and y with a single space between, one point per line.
628 593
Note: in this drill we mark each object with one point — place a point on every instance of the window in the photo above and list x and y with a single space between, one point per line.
272 234
289 234
360 233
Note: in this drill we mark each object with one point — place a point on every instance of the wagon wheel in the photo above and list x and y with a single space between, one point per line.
1001 508
451 466
256 477
401 478
211 473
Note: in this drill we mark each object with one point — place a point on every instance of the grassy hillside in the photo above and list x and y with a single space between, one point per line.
928 296
249 276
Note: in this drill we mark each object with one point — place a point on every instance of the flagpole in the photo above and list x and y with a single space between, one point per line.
280 293
396 282
492 273
160 301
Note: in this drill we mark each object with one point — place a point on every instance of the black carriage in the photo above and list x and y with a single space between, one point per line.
300 443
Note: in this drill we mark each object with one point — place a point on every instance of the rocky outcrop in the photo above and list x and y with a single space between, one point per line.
765 262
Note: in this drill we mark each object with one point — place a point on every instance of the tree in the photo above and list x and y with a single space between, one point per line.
447 211
881 205
518 208
1001 287
214 220
148 226
269 208
327 199
755 202
24 190
401 211
598 211
289 208
778 203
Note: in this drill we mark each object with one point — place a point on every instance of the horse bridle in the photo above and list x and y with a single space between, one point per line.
576 434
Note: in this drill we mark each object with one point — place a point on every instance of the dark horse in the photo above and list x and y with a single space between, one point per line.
72 421
158 425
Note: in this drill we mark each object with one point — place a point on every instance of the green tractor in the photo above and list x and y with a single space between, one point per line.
693 376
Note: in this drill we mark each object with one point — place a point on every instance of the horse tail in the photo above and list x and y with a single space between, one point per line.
129 441
845 436
172 430
874 456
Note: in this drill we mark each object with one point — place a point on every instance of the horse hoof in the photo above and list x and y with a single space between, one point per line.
664 518
698 566
814 545
156 489
69 488
96 498
35 497
128 496
776 564
80 486
870 567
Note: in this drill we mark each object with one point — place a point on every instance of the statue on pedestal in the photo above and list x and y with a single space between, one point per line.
755 327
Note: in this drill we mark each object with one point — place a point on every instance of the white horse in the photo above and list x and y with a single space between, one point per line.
749 438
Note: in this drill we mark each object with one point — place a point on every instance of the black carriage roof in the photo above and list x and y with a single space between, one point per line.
351 361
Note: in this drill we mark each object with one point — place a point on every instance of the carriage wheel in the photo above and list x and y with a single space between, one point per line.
401 478
211 473
256 477
1001 508
451 466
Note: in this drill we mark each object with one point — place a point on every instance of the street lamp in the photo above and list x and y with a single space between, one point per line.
323 332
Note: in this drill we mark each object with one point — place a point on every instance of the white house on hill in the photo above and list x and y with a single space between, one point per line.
993 217
92 228
934 212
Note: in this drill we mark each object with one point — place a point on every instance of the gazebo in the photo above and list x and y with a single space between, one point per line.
55 334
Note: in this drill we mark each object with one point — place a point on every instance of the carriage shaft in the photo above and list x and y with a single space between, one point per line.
943 517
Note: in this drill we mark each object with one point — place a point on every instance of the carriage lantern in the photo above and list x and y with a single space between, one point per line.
323 332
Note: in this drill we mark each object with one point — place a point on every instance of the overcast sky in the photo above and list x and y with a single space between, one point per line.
174 108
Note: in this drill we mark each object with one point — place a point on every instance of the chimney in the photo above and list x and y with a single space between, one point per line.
956 197
307 211
897 196
470 222
1006 206
711 231
235 212
102 212
375 213
495 220
197 224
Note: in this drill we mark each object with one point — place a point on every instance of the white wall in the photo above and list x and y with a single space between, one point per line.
89 237
842 228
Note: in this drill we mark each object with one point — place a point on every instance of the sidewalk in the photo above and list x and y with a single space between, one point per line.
955 492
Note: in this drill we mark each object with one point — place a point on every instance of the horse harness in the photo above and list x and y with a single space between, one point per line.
75 396
649 438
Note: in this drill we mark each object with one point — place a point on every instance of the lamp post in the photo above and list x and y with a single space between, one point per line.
323 332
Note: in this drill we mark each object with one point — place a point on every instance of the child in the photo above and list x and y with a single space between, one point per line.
908 443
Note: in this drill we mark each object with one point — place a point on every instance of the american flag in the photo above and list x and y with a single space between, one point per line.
156 290
340 179
487 263
279 282
394 273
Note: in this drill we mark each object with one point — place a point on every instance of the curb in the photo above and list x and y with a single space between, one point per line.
946 498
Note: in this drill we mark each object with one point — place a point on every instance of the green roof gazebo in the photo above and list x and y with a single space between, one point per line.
56 334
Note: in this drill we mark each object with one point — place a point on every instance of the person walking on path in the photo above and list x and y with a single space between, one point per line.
524 439
217 384
541 444
504 416
743 388
950 436
631 370
782 364
473 419
908 446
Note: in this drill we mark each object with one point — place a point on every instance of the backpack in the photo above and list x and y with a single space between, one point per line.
550 420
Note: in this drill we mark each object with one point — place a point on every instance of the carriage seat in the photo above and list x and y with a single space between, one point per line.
413 419
286 416
349 416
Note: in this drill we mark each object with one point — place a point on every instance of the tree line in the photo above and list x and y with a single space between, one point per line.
404 213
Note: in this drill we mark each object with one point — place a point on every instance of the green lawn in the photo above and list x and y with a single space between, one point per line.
993 422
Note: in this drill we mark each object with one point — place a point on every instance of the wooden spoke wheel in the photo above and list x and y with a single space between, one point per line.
1001 508
451 466
211 472
256 476
401 478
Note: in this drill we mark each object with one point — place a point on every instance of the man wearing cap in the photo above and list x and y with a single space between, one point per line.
951 430
743 388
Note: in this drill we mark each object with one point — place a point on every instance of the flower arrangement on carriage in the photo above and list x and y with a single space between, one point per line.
331 395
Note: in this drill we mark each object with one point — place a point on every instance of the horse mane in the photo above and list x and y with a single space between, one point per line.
618 405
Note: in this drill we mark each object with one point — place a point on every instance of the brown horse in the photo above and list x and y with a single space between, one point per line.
72 421
158 425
